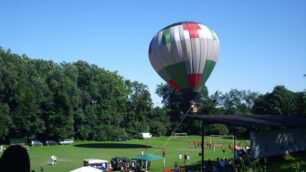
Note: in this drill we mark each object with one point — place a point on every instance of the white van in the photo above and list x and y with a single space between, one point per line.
97 163
145 135
66 142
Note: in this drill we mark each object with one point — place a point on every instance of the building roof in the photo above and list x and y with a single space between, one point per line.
254 121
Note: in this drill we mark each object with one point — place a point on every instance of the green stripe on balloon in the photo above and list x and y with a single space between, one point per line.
166 36
178 73
214 36
209 66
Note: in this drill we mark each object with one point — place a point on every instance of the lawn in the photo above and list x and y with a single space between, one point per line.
71 156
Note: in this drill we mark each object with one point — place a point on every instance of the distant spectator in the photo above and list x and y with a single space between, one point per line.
222 163
185 158
218 163
15 159
53 160
226 162
176 168
209 165
110 168
188 158
164 152
214 168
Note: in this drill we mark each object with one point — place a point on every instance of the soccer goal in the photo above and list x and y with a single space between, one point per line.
177 135
220 141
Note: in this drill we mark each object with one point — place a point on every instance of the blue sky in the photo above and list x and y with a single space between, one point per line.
263 42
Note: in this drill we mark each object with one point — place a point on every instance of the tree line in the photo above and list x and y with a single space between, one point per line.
44 100
280 101
40 99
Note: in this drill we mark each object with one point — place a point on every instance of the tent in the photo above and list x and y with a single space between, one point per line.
86 169
147 157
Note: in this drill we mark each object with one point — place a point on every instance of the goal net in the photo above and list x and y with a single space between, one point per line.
176 135
220 141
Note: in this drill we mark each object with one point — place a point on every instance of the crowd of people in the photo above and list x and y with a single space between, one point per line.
220 165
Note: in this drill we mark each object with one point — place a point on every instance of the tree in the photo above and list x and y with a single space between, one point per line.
280 102
238 102
159 121
104 96
179 103
300 98
139 105
5 122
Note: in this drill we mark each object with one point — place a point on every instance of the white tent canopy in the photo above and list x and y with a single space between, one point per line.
86 169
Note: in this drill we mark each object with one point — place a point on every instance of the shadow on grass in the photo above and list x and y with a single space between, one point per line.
112 145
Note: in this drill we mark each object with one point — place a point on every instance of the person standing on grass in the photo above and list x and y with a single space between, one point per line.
180 156
53 160
110 168
164 152
188 158
185 158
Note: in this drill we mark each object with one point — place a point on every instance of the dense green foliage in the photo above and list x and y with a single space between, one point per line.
280 101
44 100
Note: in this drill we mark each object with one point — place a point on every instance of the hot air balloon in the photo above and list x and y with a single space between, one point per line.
184 54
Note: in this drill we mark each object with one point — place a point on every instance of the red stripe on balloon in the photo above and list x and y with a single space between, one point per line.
192 29
194 80
174 85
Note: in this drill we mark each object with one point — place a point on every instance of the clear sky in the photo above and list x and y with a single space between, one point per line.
263 42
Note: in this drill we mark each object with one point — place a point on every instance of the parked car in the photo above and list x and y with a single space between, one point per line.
36 143
118 162
145 135
51 142
66 142
97 163
123 138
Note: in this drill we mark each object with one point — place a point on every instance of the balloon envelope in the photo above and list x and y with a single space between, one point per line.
184 54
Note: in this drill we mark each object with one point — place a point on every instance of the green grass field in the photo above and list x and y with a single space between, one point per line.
71 156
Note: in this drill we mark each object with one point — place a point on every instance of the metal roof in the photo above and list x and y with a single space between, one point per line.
254 121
